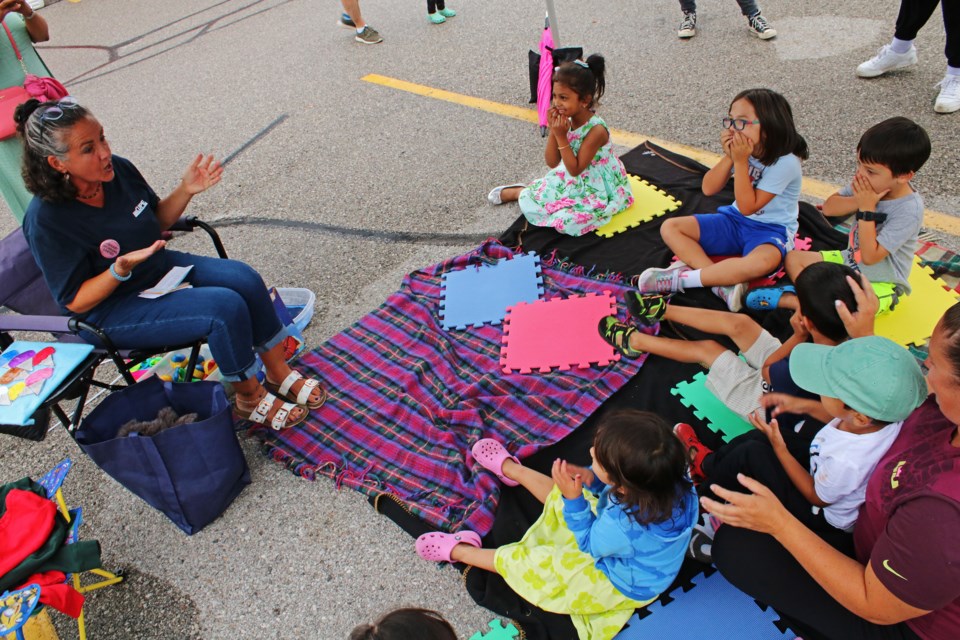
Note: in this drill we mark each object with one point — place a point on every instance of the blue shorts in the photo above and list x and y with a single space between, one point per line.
730 233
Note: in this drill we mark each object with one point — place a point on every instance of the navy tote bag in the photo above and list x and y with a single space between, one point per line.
191 472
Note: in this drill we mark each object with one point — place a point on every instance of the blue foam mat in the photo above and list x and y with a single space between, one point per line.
700 612
480 295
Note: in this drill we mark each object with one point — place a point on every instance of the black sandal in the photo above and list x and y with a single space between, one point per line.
617 334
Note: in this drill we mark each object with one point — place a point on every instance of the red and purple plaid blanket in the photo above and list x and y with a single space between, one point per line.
407 399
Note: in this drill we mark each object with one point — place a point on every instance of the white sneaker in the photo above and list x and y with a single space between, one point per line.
887 60
949 99
688 26
732 295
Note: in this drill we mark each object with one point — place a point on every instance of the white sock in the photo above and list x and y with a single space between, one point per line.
900 46
360 30
953 71
690 279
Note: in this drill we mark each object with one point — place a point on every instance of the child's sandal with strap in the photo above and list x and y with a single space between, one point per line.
617 335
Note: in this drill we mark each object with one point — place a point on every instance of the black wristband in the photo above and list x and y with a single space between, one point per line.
871 216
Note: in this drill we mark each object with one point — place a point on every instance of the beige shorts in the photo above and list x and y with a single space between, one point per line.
738 381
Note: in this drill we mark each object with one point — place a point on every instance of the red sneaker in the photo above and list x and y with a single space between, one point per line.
696 450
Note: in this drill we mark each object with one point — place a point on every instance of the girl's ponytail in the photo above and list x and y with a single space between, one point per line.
598 66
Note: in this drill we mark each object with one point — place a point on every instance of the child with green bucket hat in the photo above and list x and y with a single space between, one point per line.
870 385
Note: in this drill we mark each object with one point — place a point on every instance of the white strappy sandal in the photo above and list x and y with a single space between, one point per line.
309 384
281 418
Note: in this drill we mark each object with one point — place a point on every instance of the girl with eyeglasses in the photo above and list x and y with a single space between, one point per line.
587 184
94 227
762 152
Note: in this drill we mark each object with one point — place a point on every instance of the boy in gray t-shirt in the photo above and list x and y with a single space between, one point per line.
888 210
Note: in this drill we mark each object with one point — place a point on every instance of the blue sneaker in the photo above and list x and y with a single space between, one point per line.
346 22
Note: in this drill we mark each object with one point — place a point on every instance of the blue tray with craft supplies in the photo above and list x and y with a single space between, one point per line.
30 372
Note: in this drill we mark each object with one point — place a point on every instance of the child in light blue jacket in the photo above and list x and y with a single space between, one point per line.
612 536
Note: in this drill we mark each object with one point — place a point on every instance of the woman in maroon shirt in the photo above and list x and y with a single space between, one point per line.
901 580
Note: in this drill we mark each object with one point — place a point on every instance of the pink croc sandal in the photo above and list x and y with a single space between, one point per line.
437 546
490 455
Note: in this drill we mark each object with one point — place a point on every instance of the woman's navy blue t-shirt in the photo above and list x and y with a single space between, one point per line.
73 241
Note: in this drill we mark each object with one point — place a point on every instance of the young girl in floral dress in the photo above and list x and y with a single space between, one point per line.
587 184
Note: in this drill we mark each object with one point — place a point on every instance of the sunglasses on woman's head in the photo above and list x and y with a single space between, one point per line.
55 112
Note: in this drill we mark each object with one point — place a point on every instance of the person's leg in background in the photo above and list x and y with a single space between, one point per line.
756 23
365 33
949 99
900 52
688 26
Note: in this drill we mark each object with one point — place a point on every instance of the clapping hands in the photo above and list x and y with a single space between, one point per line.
568 478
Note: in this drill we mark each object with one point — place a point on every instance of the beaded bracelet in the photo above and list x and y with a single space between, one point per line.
113 272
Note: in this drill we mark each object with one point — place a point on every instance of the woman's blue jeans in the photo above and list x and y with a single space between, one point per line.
228 305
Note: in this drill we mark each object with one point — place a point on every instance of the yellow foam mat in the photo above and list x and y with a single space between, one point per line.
913 319
649 202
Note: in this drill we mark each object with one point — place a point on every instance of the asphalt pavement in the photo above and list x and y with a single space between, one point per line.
343 186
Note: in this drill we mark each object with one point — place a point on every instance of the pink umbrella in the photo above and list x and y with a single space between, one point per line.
545 79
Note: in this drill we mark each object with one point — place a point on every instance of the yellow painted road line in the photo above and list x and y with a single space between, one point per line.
816 188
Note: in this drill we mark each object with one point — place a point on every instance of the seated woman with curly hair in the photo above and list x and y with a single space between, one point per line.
94 227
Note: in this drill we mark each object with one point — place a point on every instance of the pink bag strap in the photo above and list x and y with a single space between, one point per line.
16 49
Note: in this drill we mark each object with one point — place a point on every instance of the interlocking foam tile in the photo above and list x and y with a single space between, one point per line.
700 612
913 319
707 407
497 632
561 333
480 294
649 202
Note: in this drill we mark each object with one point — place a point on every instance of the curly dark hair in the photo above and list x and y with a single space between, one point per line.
43 137
645 461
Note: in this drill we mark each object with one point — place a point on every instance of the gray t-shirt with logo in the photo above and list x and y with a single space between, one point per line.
898 235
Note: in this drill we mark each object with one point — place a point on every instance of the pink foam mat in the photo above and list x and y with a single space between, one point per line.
560 333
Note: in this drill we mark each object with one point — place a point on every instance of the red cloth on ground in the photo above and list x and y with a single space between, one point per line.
54 592
24 527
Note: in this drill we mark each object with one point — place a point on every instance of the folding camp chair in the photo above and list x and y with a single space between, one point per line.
23 290
17 607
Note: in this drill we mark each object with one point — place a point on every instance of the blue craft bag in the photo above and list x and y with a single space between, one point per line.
191 472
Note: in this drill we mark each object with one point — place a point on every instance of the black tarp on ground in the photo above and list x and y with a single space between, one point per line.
629 253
